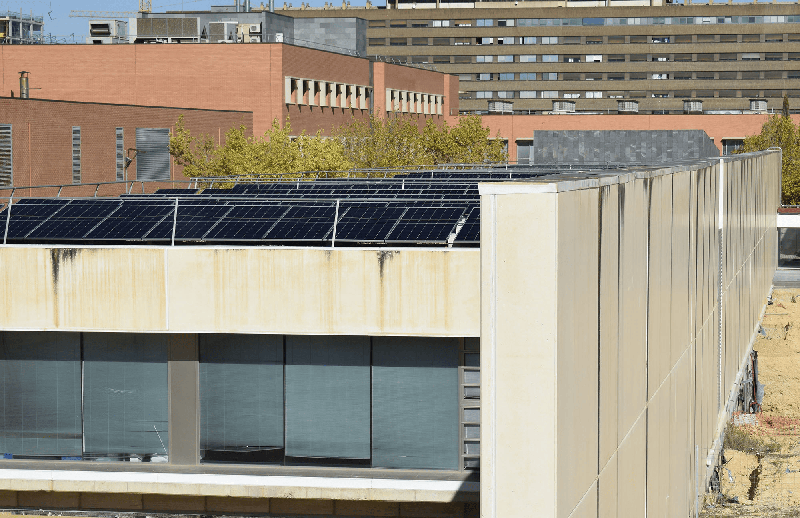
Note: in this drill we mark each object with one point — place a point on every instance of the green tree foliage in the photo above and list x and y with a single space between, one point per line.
270 156
397 142
780 131
393 143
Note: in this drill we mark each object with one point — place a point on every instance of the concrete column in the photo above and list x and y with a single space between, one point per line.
184 399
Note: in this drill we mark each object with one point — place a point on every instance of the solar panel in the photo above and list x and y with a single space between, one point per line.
182 192
246 222
471 230
74 220
420 224
304 223
29 213
133 220
194 221
367 222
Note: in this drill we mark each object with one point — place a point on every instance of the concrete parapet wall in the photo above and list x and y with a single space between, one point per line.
423 292
604 373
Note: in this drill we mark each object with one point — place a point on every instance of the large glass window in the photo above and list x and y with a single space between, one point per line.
241 398
40 411
125 396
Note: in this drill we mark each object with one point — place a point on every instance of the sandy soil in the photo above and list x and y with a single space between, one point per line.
777 490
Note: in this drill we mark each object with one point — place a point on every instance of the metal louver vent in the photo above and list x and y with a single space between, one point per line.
153 164
120 154
6 162
76 154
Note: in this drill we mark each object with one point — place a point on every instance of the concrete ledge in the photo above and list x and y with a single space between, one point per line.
57 482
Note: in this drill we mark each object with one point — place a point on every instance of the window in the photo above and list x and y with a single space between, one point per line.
462 23
505 58
727 76
505 95
684 76
462 59
751 74
550 58
377 41
731 145
461 41
570 40
398 23
639 39
506 76
506 40
419 41
524 151
505 23
441 41
770 74
527 76
616 58
155 163
440 23
705 57
594 95
659 76
572 95
637 57
706 38
527 58
441 59
660 57
637 76
594 40
465 77
76 154
728 38
683 38
377 23
594 58
751 38
773 56
751 56
794 56
570 76
418 24
120 134
682 57
616 39
660 39
549 94
593 77
616 77
571 59
528 40
705 76
484 41
484 22
484 95
549 76
484 77
727 57
398 42
549 40
6 156
527 94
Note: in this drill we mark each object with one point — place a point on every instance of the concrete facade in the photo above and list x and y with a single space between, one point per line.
625 383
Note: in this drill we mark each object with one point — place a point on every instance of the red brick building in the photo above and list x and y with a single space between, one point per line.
60 142
227 77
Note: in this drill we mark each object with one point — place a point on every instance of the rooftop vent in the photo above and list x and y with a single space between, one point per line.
758 105
692 106
501 107
627 106
564 106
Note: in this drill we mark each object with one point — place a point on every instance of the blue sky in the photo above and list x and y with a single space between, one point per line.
58 22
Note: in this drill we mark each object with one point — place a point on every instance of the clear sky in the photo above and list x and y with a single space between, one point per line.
57 20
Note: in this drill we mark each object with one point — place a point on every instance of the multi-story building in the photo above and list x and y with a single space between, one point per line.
521 57
19 28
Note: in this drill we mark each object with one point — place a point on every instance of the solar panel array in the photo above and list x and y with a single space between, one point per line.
412 209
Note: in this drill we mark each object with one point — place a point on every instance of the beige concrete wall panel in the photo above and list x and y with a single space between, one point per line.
658 451
609 322
632 478
655 293
633 305
680 435
607 489
587 507
518 354
325 291
680 335
118 289
578 349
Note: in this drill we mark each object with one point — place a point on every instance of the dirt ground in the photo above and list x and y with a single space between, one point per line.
764 480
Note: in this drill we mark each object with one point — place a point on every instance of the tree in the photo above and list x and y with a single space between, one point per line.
372 143
780 131
271 156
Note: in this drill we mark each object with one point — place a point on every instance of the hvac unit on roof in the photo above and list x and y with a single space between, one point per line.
255 39
255 28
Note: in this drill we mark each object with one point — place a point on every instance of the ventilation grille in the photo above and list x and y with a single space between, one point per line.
76 154
6 169
120 154
153 163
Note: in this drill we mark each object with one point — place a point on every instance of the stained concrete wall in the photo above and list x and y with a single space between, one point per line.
424 292
621 146
604 373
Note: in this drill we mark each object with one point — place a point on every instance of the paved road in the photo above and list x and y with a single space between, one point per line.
787 278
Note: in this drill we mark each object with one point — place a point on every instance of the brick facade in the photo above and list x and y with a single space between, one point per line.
42 139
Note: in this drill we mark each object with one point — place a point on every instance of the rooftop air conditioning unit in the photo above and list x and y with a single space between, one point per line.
758 105
564 106
628 106
255 28
692 106
278 37
255 39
